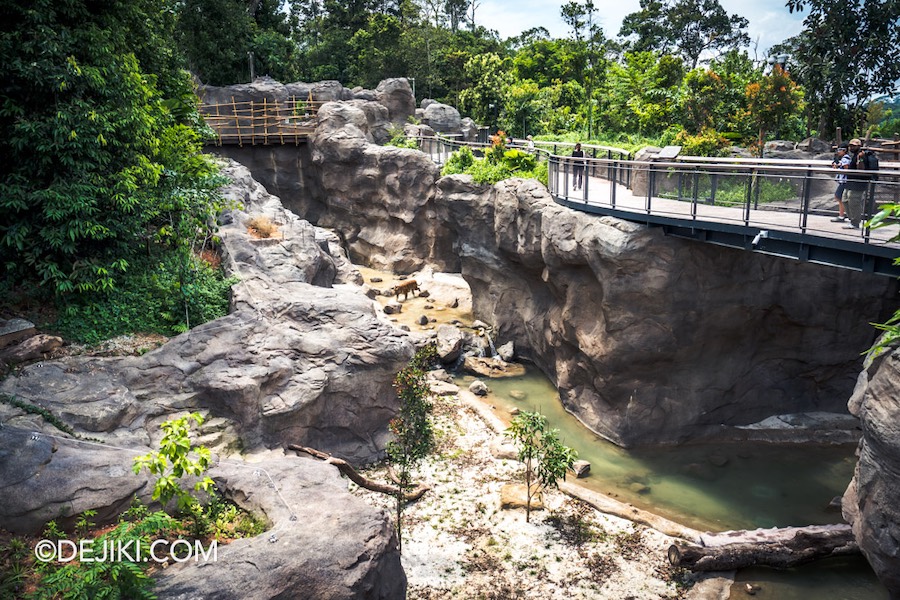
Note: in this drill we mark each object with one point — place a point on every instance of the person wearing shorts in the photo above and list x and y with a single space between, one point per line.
841 161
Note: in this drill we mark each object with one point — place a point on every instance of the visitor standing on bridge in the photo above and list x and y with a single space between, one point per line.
841 161
577 167
855 188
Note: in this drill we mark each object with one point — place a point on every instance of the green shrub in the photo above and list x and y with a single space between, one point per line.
512 163
400 139
459 162
707 143
109 579
150 297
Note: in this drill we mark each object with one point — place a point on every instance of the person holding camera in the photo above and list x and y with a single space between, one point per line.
841 161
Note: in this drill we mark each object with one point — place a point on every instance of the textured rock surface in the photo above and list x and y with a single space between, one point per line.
44 477
322 542
441 117
296 361
870 503
396 95
650 339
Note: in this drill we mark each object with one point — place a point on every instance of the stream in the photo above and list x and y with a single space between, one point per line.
715 487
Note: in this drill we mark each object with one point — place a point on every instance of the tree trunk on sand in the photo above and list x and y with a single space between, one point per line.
776 548
348 470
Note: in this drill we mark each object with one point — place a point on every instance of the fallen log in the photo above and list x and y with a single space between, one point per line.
347 469
777 548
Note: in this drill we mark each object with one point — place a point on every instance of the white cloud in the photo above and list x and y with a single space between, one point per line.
770 20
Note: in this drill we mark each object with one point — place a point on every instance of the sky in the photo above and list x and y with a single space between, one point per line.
770 20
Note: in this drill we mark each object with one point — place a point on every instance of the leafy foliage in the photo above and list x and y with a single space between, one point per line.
546 458
691 27
846 53
412 428
399 139
498 163
94 151
148 299
887 216
112 578
173 461
771 101
705 143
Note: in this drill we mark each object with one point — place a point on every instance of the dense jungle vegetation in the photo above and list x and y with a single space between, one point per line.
107 205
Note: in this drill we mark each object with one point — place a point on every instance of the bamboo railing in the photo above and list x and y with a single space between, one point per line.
264 122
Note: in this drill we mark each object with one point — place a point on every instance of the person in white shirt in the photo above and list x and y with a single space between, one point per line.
841 161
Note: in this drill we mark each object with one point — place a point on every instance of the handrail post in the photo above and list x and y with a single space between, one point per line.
868 209
807 188
749 197
585 183
612 182
651 183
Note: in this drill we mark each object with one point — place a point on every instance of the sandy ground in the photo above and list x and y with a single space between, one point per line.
458 543
456 540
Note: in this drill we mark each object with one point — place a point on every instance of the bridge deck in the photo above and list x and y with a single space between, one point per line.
784 229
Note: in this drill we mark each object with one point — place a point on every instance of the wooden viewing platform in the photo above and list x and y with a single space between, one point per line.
266 122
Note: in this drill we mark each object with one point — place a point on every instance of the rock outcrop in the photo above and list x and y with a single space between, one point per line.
302 358
650 339
296 361
322 542
441 117
870 502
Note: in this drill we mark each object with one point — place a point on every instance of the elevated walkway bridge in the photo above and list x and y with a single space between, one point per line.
778 207
783 208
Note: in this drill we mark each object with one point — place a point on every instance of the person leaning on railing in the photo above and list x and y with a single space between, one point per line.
856 186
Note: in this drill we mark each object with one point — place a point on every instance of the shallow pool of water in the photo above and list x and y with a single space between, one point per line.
715 487
706 486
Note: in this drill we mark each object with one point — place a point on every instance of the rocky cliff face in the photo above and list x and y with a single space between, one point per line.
870 502
302 358
649 339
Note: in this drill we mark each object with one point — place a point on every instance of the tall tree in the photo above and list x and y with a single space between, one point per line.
456 12
94 150
771 101
847 52
489 77
692 27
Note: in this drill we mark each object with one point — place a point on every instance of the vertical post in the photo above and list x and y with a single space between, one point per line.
265 110
253 122
749 197
587 180
695 192
218 125
807 181
868 209
613 184
237 122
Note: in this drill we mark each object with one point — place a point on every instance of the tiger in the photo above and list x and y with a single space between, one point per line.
406 288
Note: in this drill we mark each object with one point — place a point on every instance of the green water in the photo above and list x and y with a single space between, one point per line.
714 487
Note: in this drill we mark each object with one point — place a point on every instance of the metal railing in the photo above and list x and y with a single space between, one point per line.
780 207
797 196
